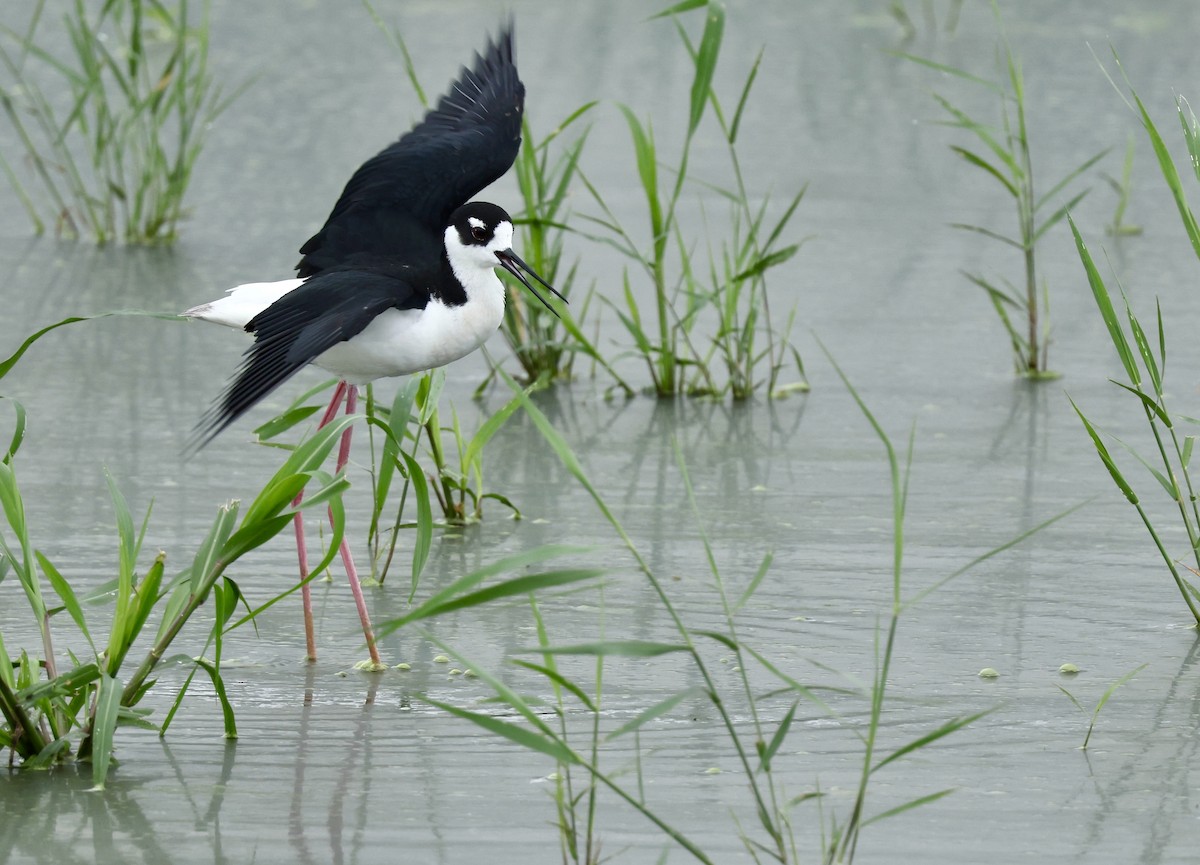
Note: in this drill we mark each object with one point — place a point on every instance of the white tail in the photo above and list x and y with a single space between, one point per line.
242 302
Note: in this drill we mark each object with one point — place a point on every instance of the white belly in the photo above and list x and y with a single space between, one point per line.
397 342
403 341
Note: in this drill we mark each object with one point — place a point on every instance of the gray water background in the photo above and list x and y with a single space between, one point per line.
333 765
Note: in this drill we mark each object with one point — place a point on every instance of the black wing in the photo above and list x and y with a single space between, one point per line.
328 309
403 197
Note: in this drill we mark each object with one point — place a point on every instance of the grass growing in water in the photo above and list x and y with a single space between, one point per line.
1007 158
1104 698
76 711
758 734
1143 357
678 358
115 161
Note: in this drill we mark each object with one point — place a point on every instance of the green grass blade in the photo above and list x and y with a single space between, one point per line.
543 744
219 686
63 589
104 725
656 711
615 648
908 806
767 753
1105 697
706 63
424 540
951 726
1106 458
558 679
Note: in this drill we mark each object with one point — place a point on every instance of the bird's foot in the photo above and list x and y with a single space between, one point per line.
369 666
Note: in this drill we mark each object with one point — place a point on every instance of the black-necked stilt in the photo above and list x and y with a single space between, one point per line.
401 278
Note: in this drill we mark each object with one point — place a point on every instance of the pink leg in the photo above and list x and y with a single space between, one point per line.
310 638
347 558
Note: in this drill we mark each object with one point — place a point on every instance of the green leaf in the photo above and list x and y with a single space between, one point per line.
908 806
104 725
439 601
423 542
528 739
63 589
508 588
559 679
219 686
1107 312
615 648
1105 457
656 711
768 753
706 63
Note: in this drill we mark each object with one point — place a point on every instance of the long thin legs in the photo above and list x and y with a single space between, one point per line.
350 394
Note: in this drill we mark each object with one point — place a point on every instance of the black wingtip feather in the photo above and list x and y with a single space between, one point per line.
403 196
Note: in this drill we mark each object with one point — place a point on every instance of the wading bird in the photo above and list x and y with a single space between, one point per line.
400 279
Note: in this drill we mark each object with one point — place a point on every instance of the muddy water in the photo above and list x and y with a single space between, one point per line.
332 765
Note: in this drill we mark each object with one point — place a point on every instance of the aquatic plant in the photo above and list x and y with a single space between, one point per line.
548 345
1143 357
116 160
1007 158
757 731
1123 188
1104 698
678 358
75 712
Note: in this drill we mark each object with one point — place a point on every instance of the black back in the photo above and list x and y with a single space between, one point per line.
330 308
400 201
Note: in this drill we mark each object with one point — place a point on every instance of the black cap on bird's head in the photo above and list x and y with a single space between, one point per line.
482 224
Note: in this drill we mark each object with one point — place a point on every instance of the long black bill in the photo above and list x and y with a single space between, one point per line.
511 262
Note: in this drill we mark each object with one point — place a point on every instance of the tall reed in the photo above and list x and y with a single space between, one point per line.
114 160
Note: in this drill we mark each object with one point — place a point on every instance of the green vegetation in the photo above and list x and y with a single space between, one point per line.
1095 714
756 728
74 712
1143 356
115 161
679 358
1007 158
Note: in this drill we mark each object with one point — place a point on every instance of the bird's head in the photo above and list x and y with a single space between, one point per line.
480 235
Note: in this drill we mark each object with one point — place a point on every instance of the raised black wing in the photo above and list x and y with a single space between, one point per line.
403 196
330 308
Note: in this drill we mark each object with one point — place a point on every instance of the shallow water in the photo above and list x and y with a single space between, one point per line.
333 765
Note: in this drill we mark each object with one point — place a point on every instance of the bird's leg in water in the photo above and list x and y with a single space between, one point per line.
350 394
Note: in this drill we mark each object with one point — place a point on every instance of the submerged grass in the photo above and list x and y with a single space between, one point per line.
115 161
1006 157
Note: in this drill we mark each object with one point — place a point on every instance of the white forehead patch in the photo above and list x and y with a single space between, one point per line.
475 222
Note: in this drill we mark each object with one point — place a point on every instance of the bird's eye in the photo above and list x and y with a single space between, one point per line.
479 233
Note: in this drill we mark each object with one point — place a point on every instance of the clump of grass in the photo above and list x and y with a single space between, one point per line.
678 358
74 712
116 160
1143 357
546 345
1007 158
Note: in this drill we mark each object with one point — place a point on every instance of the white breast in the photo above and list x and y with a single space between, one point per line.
398 341
403 341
